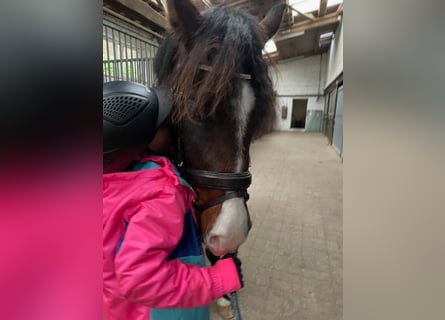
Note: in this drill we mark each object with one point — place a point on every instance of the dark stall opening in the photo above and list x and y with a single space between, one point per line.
299 110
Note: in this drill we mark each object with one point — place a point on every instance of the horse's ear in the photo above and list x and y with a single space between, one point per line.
183 16
272 20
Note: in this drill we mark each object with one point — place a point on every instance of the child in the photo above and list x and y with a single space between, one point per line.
153 262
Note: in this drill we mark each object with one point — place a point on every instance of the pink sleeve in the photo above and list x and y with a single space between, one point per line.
144 274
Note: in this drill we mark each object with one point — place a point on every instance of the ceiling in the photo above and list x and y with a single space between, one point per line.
298 36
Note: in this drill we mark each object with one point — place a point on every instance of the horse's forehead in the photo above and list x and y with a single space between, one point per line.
220 19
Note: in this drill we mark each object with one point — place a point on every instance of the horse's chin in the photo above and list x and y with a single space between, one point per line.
219 252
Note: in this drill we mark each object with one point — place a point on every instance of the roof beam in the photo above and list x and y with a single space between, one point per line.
132 22
235 3
306 15
206 3
306 25
340 8
142 8
322 8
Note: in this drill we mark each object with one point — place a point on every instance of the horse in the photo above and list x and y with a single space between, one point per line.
223 99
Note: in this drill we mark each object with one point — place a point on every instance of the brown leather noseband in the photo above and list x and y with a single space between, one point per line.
235 183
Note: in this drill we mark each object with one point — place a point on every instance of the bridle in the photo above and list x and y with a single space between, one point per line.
234 183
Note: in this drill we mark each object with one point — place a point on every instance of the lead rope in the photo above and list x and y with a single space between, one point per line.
233 296
234 300
235 305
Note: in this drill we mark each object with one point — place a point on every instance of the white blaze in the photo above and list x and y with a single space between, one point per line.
230 228
245 106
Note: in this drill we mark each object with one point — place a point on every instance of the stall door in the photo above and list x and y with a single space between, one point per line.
337 140
331 115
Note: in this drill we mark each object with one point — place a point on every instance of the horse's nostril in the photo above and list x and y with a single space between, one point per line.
221 245
215 240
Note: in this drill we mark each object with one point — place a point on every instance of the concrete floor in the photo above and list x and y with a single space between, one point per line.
292 260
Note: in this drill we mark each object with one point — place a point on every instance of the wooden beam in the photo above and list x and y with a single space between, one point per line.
132 22
306 25
322 8
235 3
206 3
142 8
306 15
340 8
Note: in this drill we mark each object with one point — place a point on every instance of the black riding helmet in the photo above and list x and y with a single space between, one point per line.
131 115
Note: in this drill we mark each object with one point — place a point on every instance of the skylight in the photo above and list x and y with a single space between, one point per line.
304 5
334 2
310 5
270 47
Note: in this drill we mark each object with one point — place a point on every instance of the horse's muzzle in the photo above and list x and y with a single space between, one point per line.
221 246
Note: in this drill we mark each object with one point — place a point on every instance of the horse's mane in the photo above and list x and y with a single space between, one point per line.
198 93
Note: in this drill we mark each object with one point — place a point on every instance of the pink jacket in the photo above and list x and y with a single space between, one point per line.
143 222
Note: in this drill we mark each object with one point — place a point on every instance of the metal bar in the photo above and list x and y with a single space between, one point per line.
123 56
120 56
103 58
127 58
133 62
144 69
150 69
107 40
138 61
143 72
147 64
114 55
138 67
127 69
142 63
130 58
153 53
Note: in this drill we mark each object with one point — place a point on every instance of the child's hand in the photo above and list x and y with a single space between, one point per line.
214 259
237 262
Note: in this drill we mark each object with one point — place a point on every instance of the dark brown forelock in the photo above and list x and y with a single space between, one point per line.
234 40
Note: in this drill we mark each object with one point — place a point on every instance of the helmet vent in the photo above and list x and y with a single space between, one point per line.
121 109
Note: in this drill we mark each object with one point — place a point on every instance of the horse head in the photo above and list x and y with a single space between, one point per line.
223 99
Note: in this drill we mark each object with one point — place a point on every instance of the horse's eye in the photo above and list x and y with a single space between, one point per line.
212 52
211 55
